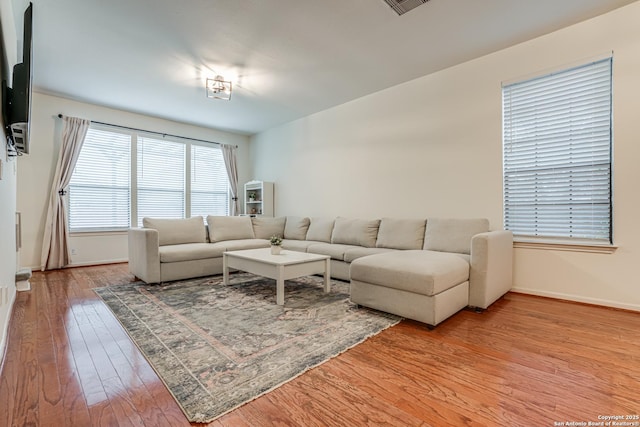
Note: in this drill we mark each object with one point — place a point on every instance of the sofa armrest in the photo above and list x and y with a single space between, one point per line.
144 254
491 274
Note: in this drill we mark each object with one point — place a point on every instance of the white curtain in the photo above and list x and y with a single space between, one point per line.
55 247
230 162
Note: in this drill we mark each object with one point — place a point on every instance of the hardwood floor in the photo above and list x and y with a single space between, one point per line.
526 361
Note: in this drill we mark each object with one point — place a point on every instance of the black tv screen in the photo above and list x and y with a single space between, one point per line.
19 107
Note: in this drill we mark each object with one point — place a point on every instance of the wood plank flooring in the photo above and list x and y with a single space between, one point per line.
527 361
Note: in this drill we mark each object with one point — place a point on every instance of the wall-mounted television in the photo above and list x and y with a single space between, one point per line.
17 99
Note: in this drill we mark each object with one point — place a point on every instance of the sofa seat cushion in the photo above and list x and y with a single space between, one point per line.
190 252
422 272
242 244
334 250
355 253
175 231
298 245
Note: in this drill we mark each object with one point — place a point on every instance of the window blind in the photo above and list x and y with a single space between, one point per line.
109 178
98 193
161 178
209 182
557 154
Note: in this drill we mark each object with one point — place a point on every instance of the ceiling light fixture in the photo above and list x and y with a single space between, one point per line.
404 6
218 88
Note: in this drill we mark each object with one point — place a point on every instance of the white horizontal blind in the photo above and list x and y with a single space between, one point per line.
557 154
161 178
209 182
98 193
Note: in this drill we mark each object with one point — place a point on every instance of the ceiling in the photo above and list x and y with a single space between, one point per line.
287 58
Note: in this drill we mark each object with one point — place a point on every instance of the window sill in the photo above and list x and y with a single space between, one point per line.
565 246
90 233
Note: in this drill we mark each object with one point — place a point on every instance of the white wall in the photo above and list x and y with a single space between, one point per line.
7 239
8 57
433 147
37 169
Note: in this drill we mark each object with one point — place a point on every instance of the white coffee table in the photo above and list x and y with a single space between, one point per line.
287 265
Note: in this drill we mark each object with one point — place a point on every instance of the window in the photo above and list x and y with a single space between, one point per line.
557 155
209 182
121 177
161 170
99 196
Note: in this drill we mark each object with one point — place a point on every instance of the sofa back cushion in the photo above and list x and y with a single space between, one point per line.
176 231
223 228
359 232
320 229
453 235
398 233
264 227
296 228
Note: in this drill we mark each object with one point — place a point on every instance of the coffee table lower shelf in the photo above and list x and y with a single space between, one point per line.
287 265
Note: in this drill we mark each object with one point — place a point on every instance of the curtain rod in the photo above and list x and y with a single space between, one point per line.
157 133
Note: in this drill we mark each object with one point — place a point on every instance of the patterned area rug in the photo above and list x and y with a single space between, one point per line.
217 347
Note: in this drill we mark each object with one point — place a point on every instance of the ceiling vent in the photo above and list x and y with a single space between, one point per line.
404 6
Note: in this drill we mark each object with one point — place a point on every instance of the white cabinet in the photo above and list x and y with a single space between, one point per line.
258 198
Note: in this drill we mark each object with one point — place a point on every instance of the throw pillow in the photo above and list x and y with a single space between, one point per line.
453 235
223 228
176 231
360 232
397 233
265 227
296 228
320 229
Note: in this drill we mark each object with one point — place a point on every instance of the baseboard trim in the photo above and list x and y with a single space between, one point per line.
87 264
5 332
577 298
104 262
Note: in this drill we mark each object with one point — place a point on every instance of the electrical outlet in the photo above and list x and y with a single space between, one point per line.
74 251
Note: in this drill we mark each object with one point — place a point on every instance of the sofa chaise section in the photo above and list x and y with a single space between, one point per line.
426 286
461 263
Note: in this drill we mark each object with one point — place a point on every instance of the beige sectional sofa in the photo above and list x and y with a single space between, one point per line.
422 269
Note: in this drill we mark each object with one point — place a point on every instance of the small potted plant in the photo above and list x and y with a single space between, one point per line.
252 196
276 245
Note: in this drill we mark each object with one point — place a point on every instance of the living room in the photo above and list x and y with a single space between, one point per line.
430 146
